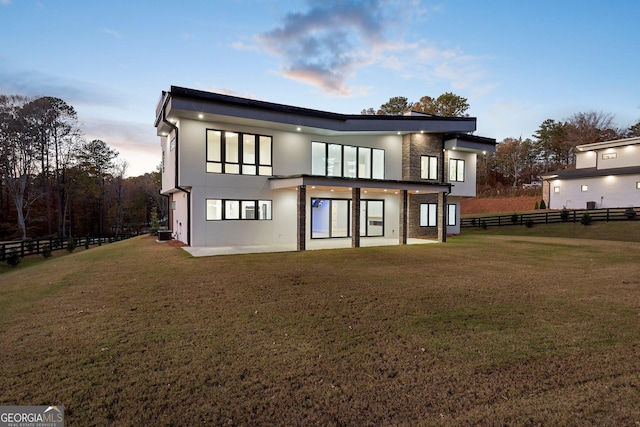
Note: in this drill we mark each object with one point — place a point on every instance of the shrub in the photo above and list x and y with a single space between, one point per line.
483 224
46 251
564 215
473 222
586 219
30 246
630 213
13 258
86 242
536 207
154 222
514 218
529 223
543 205
71 244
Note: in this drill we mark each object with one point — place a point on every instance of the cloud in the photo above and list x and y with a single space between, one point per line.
112 33
325 45
73 92
135 142
5 2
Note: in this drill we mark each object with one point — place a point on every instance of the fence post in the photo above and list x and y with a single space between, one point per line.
546 217
607 214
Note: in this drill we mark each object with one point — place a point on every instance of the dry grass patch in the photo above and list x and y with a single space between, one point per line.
481 330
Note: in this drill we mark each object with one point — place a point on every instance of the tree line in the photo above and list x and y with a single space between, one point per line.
53 182
519 161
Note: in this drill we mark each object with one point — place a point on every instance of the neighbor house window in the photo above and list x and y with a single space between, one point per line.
608 156
456 170
346 161
451 215
218 209
428 167
428 214
637 185
556 189
238 153
584 188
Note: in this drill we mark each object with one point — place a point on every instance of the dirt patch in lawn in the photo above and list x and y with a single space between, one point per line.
498 204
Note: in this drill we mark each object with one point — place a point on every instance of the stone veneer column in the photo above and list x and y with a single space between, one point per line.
355 218
442 214
404 210
302 217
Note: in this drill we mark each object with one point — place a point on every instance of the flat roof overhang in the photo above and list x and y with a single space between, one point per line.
191 104
608 144
346 184
471 143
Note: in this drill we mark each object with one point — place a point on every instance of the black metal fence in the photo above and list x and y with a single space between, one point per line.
552 216
39 246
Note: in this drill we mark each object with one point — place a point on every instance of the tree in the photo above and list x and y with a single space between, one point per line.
551 146
395 106
590 127
634 131
513 158
96 161
447 105
18 153
58 133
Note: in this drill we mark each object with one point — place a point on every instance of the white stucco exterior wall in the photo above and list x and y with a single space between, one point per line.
614 191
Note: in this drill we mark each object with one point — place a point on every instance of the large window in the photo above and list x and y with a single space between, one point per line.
346 161
331 218
429 167
428 215
238 153
456 170
218 209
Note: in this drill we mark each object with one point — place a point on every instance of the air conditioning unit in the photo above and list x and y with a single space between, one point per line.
591 205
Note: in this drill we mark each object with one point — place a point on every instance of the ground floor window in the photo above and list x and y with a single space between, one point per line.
331 218
219 209
428 215
451 214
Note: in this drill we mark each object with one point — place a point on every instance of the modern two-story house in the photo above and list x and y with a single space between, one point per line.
607 175
242 172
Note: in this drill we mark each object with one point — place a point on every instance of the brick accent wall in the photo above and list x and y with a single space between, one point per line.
414 229
421 144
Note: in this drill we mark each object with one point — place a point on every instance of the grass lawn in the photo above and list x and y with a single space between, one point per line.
482 330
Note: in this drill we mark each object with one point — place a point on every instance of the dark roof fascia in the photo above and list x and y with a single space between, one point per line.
590 173
194 94
470 138
366 181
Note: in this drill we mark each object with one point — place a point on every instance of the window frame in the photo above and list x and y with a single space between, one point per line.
373 156
241 204
217 162
431 213
455 170
431 172
454 216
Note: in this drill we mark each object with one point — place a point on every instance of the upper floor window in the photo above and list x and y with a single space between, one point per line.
346 161
456 170
238 153
608 156
428 167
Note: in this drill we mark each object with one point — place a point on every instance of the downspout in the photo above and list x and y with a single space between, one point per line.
177 183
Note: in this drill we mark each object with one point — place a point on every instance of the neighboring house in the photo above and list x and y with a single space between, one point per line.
607 175
242 172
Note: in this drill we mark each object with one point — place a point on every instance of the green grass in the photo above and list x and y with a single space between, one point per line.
484 330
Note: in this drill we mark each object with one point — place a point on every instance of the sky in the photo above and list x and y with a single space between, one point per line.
517 62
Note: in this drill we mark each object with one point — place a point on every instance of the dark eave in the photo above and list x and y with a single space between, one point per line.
590 173
196 104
